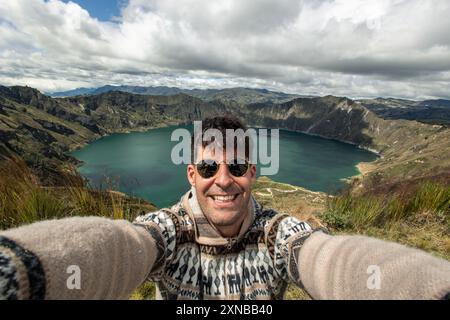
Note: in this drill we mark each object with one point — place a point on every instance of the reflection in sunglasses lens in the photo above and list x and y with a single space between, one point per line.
208 168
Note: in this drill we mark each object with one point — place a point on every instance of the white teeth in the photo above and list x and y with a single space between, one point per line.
224 198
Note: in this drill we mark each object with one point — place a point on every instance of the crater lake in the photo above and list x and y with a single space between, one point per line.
139 164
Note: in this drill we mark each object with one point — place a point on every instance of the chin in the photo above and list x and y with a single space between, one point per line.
223 213
224 218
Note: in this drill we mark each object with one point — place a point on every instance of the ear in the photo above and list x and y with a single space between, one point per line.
191 174
253 173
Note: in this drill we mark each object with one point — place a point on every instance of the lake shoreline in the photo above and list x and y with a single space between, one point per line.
308 184
374 151
78 146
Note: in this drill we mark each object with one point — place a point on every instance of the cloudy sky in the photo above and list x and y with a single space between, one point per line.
355 48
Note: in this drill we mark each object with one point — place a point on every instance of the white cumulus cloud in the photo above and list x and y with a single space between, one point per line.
356 48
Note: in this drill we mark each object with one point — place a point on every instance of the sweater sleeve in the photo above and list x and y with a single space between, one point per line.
75 258
358 267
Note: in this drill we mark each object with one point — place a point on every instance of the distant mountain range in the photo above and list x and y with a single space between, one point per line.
428 111
239 95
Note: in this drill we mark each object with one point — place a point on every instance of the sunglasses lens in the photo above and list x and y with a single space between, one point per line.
238 169
207 169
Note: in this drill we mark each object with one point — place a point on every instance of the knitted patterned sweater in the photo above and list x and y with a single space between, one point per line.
99 258
196 262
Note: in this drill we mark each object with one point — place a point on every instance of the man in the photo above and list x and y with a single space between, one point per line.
216 243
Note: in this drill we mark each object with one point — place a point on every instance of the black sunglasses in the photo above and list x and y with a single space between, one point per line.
209 168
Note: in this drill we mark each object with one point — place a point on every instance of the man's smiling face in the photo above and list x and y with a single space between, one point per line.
223 198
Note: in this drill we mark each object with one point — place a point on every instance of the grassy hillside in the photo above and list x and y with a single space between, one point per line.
417 215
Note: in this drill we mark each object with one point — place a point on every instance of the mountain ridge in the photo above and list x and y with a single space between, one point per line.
44 129
435 111
256 94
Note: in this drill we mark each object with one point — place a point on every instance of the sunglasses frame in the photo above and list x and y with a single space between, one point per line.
218 167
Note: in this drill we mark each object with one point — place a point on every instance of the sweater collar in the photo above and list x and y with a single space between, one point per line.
205 232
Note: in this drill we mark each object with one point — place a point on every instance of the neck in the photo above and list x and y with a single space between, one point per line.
231 231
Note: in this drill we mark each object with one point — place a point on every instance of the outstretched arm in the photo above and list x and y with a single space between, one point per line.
357 267
75 258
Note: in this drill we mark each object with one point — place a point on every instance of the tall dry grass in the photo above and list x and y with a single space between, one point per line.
430 200
418 216
24 200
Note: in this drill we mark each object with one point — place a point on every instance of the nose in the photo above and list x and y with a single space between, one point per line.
223 178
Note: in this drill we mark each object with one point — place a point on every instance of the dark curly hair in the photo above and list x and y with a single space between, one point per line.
221 123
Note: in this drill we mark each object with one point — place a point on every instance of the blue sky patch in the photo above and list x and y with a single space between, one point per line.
103 10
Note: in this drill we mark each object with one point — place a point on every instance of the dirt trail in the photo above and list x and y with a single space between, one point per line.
294 189
270 193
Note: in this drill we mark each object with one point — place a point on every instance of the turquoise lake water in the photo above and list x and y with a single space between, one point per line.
139 164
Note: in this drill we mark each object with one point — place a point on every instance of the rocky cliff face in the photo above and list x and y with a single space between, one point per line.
330 117
118 110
